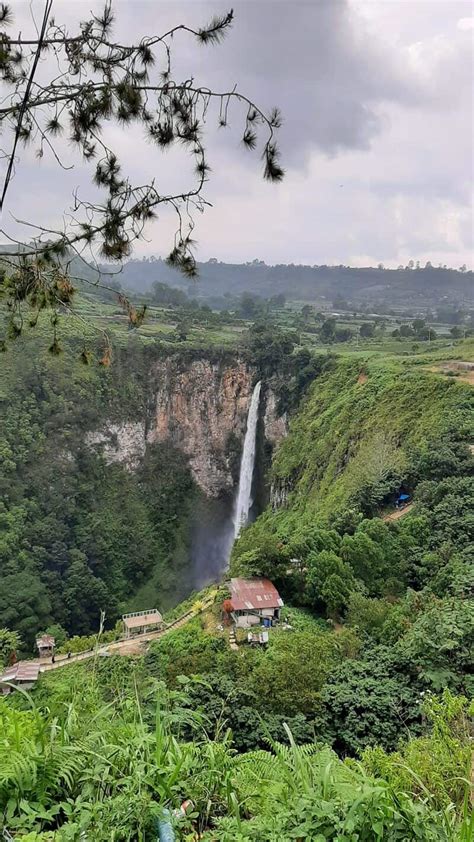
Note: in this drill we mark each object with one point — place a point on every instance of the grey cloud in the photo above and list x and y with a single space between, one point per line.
327 76
375 97
313 59
318 60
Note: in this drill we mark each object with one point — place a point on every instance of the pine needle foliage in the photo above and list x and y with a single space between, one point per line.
97 82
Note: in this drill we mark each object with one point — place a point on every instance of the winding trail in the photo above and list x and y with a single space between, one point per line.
398 513
126 646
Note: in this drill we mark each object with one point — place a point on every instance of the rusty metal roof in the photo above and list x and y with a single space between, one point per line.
22 671
254 594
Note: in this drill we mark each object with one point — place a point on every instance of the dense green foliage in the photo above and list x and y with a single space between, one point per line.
77 535
9 644
255 691
404 587
409 642
354 722
106 748
369 427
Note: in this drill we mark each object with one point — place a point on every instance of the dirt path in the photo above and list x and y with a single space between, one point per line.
130 646
398 513
463 370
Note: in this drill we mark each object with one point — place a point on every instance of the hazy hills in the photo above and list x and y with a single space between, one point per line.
426 286
409 286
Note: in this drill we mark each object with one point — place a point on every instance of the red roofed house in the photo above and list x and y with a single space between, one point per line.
253 600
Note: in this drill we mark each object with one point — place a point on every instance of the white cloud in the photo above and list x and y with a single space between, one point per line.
465 24
377 138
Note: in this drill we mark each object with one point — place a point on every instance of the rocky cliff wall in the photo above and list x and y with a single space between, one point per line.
124 443
199 406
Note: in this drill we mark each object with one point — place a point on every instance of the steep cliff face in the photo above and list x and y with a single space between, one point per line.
124 443
199 406
275 425
279 492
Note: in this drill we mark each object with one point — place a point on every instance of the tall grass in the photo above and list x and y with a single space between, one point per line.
103 771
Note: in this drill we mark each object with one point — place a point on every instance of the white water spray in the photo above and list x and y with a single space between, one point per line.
247 462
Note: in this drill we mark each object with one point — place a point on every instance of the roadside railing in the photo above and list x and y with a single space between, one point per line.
63 660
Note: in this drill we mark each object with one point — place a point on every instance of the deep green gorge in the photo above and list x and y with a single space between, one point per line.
80 534
355 722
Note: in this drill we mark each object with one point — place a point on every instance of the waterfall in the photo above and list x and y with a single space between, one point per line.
247 462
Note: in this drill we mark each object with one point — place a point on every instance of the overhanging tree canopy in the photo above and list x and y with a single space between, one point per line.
93 81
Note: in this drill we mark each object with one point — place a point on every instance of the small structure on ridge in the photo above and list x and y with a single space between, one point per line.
140 622
45 645
254 601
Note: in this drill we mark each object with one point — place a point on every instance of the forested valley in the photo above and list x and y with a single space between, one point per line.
355 719
236 495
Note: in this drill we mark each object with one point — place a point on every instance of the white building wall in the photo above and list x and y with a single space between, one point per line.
246 621
252 618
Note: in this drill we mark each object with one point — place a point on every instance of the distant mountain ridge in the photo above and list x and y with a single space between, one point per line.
427 285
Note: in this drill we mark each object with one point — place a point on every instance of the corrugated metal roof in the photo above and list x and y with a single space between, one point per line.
9 674
254 594
27 671
22 671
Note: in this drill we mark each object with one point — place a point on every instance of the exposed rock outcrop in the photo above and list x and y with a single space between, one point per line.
275 426
279 492
200 407
124 443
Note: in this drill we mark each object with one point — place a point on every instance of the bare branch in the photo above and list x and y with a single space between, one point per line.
24 104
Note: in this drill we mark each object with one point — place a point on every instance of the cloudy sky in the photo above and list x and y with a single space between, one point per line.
377 135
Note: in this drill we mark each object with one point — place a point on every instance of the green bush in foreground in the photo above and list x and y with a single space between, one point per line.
104 771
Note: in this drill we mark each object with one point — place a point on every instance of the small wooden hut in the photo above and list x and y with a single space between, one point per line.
45 645
140 622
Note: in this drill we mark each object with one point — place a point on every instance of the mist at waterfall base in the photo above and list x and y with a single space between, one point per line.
217 523
212 536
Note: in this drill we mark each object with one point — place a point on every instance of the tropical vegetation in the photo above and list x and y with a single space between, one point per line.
355 722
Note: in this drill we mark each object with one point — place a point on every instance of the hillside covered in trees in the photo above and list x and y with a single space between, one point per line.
412 285
355 720
78 535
